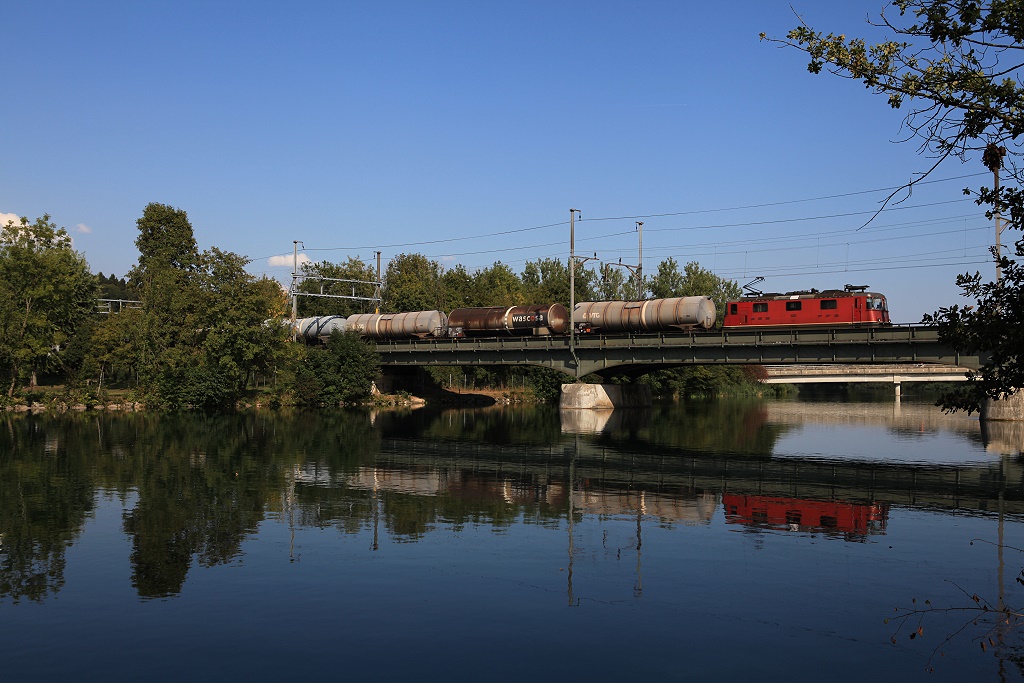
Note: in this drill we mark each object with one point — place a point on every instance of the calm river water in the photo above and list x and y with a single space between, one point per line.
729 541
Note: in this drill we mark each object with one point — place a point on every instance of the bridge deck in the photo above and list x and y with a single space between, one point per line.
895 373
908 344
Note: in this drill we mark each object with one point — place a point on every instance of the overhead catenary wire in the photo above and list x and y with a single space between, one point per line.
608 247
499 233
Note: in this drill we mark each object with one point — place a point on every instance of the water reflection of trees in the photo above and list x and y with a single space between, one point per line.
46 496
199 486
202 486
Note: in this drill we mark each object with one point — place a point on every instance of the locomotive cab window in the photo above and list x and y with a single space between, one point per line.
732 309
874 304
761 308
829 304
794 305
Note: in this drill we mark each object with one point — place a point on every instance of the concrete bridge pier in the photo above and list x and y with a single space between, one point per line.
1007 408
604 396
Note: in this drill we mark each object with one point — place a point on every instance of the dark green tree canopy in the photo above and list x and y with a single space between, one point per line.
165 239
412 283
202 329
46 292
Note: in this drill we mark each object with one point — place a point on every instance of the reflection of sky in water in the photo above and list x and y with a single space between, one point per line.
908 434
867 442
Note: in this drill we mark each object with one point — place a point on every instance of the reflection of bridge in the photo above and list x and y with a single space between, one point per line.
590 354
674 472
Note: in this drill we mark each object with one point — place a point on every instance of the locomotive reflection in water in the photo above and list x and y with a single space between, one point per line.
852 305
833 518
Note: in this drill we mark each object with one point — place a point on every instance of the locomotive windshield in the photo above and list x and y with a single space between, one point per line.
876 303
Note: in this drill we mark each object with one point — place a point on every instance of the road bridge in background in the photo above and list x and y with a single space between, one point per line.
895 373
906 345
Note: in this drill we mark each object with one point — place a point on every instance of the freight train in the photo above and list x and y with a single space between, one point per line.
833 307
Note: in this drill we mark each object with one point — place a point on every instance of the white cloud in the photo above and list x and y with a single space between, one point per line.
287 260
7 217
83 228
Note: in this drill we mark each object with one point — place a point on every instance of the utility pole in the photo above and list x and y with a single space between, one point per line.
572 281
638 269
993 160
378 293
573 264
295 277
640 262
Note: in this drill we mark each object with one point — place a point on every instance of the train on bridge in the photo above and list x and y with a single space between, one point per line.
850 306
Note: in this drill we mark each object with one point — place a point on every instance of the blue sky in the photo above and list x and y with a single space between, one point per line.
467 130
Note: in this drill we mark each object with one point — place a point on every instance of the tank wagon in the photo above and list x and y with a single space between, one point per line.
385 326
652 315
312 330
537 320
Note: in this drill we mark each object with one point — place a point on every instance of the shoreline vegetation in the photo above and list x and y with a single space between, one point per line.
60 399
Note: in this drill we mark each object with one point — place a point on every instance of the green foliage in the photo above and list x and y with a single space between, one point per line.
412 283
203 327
992 325
497 286
46 292
693 281
955 64
546 383
340 373
457 289
112 287
165 242
547 281
611 285
354 271
705 381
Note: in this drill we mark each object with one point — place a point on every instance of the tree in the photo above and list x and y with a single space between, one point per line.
668 281
412 283
693 281
202 330
456 289
112 287
611 286
164 279
497 285
349 278
547 281
956 67
694 380
341 373
46 292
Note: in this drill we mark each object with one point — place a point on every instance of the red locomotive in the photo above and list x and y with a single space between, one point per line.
852 305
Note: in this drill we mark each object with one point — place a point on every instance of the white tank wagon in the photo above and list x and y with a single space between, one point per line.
400 325
319 329
651 315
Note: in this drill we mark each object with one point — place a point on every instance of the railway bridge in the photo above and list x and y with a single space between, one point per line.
909 345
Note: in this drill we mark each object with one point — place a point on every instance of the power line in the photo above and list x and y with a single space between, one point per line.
669 214
782 203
